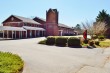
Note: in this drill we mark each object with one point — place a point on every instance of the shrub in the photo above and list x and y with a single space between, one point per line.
50 41
101 37
94 37
61 41
73 42
85 41
96 42
10 63
42 42
91 43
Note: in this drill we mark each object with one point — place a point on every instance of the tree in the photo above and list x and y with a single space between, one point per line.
97 28
89 27
103 17
78 28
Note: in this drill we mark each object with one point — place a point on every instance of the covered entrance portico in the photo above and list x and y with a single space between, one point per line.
12 32
34 31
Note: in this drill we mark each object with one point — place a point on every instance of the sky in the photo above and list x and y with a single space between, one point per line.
71 12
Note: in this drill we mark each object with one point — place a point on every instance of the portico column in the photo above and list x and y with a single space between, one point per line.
15 34
3 33
7 33
19 34
42 33
38 33
35 33
61 32
12 34
26 33
30 33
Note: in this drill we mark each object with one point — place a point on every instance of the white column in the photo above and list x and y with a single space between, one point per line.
38 33
15 34
3 33
35 33
61 33
19 34
30 33
12 34
42 33
7 33
26 33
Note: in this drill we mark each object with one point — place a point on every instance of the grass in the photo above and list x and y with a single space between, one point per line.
10 63
105 43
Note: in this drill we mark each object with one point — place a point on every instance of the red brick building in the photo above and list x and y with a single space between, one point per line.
52 25
21 27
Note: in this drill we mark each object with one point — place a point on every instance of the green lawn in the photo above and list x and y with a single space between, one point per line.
105 43
10 63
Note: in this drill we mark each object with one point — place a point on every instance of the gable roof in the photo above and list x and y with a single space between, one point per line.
24 19
59 24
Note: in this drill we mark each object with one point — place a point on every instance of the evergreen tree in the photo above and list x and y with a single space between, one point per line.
103 17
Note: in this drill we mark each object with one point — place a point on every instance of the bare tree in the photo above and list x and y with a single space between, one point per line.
97 28
100 28
89 27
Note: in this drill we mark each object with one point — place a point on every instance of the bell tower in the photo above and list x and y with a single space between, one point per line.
52 22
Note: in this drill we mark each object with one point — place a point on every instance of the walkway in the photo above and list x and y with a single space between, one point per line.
51 59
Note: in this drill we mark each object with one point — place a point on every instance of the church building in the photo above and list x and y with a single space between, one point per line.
21 27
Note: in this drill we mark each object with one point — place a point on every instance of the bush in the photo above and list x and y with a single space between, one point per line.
97 43
61 41
94 37
42 42
73 42
91 43
101 37
10 63
85 41
50 41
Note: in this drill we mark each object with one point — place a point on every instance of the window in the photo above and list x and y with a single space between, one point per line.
18 24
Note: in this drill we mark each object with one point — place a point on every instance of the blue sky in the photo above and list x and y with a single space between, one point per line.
71 12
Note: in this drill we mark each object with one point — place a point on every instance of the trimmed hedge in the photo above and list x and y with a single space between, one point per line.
61 41
50 41
72 41
10 63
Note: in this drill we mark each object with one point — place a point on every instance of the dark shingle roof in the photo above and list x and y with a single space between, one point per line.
63 25
27 20
59 24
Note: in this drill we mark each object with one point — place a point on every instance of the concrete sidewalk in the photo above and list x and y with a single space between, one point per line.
51 59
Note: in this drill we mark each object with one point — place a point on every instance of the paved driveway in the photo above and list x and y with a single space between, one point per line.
51 59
